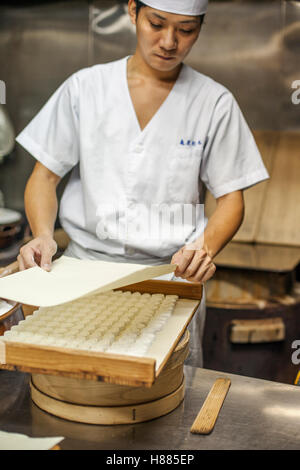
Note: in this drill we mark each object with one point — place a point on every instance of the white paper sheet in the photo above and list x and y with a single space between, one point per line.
72 278
12 441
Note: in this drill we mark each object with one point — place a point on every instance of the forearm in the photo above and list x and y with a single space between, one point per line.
224 222
41 202
41 211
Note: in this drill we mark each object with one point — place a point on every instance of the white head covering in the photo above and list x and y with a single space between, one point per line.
181 7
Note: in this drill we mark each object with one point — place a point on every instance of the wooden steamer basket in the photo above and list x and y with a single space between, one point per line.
93 402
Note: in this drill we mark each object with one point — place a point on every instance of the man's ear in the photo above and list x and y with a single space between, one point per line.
132 11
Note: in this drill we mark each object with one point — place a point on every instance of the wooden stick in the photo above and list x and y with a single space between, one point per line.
207 416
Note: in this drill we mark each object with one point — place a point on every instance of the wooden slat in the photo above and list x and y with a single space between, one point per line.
260 330
187 290
112 368
266 142
280 222
207 416
250 287
258 256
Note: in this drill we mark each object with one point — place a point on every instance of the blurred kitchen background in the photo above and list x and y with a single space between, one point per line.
251 47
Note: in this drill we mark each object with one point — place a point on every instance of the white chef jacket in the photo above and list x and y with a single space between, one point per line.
89 126
197 137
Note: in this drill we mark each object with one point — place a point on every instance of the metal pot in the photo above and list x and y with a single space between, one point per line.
7 134
10 227
11 318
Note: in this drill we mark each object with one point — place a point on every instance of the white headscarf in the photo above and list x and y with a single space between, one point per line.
181 7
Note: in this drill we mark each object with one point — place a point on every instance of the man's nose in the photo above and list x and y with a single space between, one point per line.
168 41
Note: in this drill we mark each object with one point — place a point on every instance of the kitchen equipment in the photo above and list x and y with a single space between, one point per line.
253 301
10 226
10 221
11 318
7 134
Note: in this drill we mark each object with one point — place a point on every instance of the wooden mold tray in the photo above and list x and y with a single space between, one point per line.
107 367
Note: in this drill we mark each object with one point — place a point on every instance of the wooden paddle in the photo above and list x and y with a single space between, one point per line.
207 416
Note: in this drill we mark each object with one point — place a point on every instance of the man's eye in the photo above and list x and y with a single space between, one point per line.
154 25
187 31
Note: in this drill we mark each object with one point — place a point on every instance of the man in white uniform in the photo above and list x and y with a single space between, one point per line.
139 134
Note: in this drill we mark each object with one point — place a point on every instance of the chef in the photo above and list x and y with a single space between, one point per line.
142 136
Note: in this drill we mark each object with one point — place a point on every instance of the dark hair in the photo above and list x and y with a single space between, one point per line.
140 5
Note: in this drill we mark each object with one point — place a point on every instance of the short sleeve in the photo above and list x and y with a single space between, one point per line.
231 160
52 135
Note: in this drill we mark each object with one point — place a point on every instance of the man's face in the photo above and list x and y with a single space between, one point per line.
164 39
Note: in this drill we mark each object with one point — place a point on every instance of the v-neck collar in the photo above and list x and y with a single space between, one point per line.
161 107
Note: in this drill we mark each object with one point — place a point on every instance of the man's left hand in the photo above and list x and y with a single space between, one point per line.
193 263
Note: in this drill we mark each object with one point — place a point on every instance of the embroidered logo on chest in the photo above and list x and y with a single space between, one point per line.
190 143
194 143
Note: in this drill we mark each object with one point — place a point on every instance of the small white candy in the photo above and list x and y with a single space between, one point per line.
118 322
136 295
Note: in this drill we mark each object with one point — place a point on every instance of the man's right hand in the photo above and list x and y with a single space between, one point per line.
37 252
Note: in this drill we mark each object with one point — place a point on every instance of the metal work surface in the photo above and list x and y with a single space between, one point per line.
256 414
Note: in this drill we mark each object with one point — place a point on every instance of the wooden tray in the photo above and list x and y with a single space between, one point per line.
111 368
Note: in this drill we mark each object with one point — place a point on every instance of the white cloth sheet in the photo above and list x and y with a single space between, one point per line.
70 279
14 441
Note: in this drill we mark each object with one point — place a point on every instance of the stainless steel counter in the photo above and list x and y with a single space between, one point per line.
256 414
